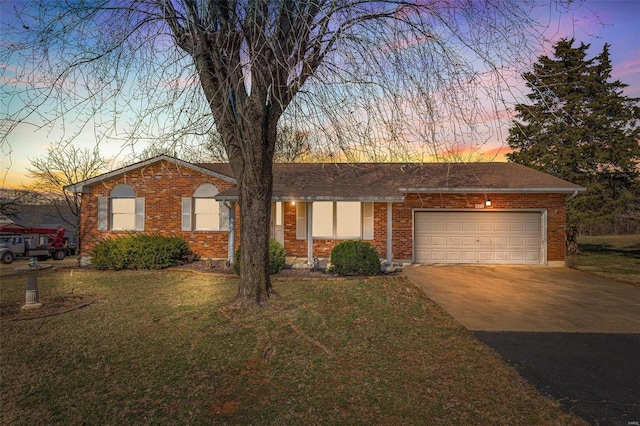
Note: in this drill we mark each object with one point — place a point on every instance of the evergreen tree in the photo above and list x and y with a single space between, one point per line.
579 127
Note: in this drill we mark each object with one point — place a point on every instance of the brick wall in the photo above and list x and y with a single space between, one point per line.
403 221
162 185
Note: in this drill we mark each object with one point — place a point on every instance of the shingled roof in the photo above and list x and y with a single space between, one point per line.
390 181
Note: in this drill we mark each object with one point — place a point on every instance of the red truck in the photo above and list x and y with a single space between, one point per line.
41 243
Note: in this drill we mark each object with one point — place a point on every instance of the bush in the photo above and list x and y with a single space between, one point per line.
277 257
139 251
354 257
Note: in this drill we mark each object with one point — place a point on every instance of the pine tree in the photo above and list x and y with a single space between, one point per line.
580 127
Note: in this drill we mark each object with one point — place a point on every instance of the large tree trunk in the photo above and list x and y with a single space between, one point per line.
253 168
255 211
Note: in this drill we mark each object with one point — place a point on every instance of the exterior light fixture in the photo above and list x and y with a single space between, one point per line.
293 203
487 202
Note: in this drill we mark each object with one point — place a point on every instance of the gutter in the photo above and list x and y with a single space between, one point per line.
285 198
445 190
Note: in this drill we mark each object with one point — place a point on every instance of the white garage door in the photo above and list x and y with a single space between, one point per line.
478 237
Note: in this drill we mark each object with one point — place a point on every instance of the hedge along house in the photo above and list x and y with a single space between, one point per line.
493 213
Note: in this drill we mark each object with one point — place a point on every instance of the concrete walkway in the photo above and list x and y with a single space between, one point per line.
530 298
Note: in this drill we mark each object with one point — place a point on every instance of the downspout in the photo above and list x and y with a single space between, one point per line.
310 234
571 196
389 234
231 240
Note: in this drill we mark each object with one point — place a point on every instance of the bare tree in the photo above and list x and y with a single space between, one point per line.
292 146
193 153
13 201
378 80
62 166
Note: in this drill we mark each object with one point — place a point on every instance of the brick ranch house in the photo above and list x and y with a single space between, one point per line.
482 213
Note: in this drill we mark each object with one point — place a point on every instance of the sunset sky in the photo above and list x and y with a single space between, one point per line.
595 22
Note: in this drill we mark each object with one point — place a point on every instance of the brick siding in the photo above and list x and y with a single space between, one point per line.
163 184
403 221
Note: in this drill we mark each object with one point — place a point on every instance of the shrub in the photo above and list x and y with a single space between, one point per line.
354 257
277 257
139 251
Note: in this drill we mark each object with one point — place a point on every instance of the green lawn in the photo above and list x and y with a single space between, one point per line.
613 256
167 348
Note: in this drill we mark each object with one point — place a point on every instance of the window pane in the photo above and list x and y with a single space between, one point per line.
323 219
123 205
278 214
123 213
348 220
207 214
301 221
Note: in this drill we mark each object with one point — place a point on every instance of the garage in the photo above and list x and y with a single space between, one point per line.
479 237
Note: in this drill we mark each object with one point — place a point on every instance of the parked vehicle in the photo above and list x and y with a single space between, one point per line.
41 243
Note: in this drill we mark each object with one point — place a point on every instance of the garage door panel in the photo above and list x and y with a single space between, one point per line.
486 227
469 241
438 255
516 242
454 241
486 241
469 256
438 241
500 227
469 226
438 226
532 257
501 256
516 227
453 226
516 255
532 242
478 237
532 227
486 256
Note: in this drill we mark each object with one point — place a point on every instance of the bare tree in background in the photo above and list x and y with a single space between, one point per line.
62 166
292 146
378 80
14 201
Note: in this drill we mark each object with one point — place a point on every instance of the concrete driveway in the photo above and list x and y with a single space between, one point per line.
530 298
572 335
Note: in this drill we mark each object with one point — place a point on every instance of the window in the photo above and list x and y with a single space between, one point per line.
323 220
202 212
337 220
122 211
348 220
301 221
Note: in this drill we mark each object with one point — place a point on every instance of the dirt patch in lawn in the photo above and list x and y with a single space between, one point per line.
50 306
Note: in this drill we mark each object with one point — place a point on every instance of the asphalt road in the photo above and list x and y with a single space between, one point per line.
595 376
